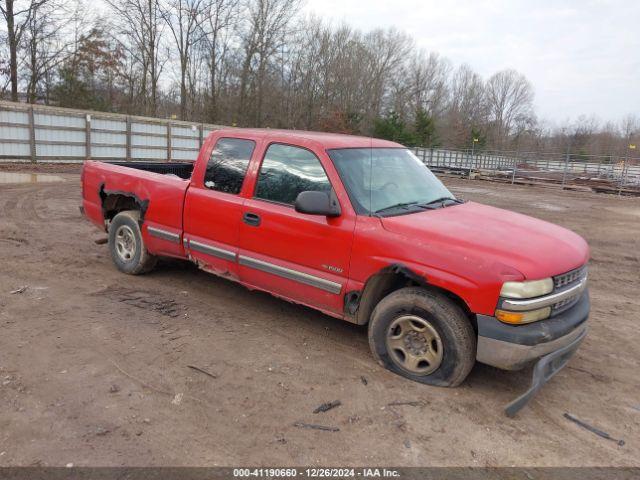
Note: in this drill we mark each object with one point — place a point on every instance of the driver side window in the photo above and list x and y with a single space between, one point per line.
286 171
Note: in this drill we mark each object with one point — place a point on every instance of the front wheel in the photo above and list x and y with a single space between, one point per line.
128 251
424 336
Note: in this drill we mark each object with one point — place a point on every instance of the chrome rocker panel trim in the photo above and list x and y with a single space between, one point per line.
211 250
305 278
163 234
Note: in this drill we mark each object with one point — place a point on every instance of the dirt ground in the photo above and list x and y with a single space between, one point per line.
94 364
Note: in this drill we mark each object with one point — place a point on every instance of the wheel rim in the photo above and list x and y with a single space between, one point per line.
414 345
125 242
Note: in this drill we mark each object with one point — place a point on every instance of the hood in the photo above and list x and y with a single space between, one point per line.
489 235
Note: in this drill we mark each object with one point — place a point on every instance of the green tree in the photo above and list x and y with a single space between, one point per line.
392 127
476 133
87 79
425 130
72 91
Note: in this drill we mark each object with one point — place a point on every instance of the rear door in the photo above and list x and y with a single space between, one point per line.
213 204
301 257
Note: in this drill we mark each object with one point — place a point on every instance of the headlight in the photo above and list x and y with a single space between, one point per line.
517 318
525 290
535 288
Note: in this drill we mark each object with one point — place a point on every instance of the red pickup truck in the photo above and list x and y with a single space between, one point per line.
362 230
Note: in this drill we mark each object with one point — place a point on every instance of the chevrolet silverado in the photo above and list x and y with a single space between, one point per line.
361 230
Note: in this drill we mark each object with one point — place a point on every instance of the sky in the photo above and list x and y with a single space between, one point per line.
582 57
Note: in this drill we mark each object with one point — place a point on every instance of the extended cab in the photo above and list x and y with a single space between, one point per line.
362 230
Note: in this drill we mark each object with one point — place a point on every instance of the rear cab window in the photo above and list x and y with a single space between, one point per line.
227 165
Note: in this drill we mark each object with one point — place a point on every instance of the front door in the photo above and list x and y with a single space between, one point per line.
213 206
304 258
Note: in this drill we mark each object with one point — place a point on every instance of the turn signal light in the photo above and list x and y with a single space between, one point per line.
518 318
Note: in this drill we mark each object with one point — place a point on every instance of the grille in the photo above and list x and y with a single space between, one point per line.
565 304
569 278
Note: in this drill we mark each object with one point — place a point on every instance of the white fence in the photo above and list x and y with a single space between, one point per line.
620 170
35 133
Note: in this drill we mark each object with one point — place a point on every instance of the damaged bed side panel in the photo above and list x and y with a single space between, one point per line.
108 189
114 201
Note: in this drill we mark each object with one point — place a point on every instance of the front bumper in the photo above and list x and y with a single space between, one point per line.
513 347
544 370
550 342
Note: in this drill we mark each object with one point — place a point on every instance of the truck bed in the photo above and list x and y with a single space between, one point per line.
156 189
180 169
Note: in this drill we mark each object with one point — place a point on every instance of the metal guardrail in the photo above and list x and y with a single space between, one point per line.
620 171
37 133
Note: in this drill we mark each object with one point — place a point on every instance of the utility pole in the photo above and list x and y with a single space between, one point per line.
515 166
566 167
566 162
473 149
625 168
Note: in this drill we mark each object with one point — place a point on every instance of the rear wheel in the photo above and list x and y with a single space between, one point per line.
424 336
128 251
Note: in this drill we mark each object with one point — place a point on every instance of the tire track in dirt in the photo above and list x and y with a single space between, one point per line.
275 362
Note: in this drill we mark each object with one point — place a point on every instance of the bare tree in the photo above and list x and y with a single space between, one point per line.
305 75
630 126
139 24
510 101
184 19
5 71
268 21
467 106
17 15
428 78
222 17
45 43
386 52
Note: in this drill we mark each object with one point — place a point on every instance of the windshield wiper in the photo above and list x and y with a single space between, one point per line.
442 200
425 206
404 205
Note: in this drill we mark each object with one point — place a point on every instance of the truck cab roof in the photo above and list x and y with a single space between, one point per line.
322 139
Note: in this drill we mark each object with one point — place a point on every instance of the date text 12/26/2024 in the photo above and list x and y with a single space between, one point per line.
315 473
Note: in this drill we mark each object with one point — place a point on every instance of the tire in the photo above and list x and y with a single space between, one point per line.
441 352
128 251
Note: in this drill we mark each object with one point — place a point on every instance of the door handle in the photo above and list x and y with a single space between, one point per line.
251 219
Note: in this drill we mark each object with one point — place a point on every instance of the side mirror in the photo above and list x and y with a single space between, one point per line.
317 203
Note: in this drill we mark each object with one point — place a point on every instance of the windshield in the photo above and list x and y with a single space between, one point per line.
387 181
